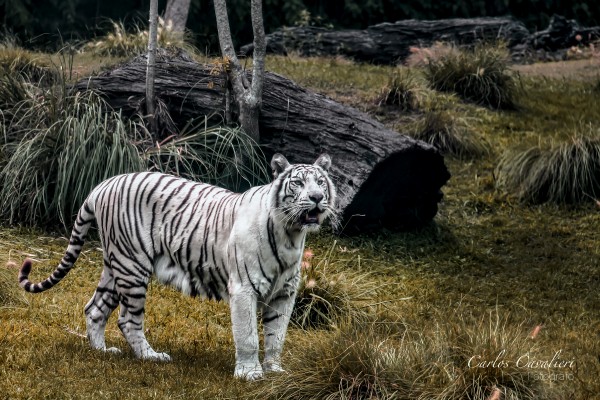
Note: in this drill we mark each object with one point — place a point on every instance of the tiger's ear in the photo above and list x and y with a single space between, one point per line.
324 161
279 163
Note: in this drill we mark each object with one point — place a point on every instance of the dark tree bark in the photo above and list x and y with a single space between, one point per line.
389 43
384 179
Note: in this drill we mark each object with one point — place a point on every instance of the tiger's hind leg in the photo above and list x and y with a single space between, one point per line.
132 300
98 310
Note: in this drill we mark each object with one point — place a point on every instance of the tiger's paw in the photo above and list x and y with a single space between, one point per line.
154 356
112 350
272 366
249 372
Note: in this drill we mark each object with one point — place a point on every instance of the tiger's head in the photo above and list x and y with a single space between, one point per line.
306 195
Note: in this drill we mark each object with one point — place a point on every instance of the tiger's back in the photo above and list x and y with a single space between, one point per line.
175 224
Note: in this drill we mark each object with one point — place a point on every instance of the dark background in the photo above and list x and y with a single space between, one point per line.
50 23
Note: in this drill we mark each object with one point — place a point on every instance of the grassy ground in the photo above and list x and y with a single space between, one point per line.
487 258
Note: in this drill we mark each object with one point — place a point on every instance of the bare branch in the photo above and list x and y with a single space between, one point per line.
238 79
260 48
151 65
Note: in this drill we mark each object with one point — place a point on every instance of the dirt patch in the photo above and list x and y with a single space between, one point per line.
572 69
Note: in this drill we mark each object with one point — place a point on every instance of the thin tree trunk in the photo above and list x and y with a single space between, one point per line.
247 96
176 15
151 66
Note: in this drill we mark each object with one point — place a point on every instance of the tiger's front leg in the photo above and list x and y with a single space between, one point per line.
276 317
245 333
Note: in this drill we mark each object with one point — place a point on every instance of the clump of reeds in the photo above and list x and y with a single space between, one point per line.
400 91
567 172
481 75
450 135
57 145
220 155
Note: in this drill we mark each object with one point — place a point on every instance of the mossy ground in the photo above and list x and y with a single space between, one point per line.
484 254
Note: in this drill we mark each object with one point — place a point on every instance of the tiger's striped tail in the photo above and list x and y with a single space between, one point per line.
84 220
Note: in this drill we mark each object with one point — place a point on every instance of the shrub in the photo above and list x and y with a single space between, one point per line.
567 172
387 360
450 135
481 75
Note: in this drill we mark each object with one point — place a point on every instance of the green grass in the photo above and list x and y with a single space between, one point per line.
478 280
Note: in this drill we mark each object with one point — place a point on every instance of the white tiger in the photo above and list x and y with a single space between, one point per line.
205 241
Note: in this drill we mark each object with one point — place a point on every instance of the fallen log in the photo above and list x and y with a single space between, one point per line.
389 43
563 33
384 179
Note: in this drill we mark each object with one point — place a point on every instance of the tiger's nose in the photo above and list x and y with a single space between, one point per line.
316 197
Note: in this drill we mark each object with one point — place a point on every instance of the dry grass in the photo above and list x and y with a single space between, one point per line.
452 357
452 136
485 276
121 43
566 172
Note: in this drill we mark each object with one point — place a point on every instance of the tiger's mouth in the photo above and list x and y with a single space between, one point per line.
310 217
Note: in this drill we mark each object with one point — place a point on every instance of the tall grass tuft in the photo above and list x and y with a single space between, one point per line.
481 75
566 172
450 358
14 59
330 293
54 167
57 145
401 91
450 135
121 43
219 155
